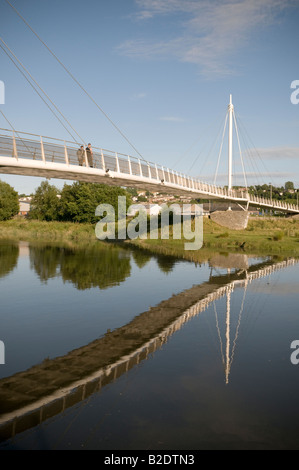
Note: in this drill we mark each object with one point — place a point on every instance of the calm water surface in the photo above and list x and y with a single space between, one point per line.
109 348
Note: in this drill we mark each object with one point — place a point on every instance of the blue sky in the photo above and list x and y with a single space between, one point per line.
162 70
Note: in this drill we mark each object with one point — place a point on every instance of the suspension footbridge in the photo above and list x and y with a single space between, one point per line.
33 155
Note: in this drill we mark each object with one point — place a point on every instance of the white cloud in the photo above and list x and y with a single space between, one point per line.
139 96
251 177
171 119
274 153
209 33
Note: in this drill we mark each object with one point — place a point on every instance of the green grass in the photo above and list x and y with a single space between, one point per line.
263 236
22 229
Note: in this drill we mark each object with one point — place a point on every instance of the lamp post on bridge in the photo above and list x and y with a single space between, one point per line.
270 184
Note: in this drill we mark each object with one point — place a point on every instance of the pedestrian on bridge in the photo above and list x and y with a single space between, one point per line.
80 155
89 153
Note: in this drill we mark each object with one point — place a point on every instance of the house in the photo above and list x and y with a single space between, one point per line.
24 208
151 209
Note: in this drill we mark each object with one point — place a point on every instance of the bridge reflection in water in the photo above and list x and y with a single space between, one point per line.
28 398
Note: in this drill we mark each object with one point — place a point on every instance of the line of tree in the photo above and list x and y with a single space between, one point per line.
77 202
286 193
74 203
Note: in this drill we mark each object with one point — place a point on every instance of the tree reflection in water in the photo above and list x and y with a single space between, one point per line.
98 265
9 254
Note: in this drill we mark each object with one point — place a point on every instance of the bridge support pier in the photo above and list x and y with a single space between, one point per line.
234 220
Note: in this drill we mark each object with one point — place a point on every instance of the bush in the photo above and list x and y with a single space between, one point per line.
278 236
9 201
223 235
79 201
45 203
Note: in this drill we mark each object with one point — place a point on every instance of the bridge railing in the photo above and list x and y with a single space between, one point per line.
34 147
273 203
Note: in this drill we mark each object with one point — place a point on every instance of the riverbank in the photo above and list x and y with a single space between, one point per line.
263 236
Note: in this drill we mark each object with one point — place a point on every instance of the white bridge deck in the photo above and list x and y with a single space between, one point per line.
32 155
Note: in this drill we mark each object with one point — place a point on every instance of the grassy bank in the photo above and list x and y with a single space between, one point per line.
31 230
262 237
272 236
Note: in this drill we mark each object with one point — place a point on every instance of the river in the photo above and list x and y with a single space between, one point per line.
109 348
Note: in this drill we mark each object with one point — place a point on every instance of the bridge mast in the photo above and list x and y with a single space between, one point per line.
230 141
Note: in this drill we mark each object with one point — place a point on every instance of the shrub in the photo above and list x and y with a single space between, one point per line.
223 235
9 201
278 236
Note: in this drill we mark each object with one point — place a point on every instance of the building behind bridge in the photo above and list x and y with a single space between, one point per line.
24 208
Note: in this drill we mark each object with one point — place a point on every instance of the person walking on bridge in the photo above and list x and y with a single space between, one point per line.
80 155
89 153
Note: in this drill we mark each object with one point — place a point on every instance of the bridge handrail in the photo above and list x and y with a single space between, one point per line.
181 180
54 149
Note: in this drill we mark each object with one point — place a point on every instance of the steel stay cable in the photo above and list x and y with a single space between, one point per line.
255 169
15 132
203 132
75 80
38 93
43 91
236 128
256 151
209 153
220 150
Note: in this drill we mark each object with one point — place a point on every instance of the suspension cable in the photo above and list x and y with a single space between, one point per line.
9 123
236 127
208 154
15 132
186 152
43 91
220 151
257 153
75 80
48 106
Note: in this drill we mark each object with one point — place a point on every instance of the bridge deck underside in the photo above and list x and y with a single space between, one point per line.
92 175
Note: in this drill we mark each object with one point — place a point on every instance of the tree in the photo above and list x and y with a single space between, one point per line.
80 200
45 203
9 201
132 191
289 185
